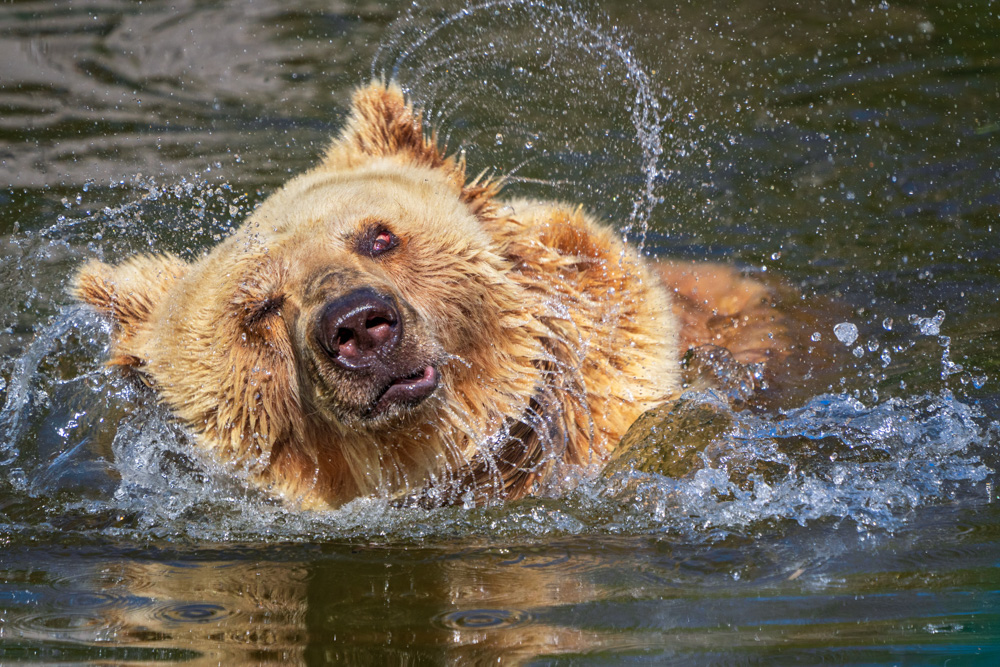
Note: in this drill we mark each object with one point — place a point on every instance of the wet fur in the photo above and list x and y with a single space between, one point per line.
549 334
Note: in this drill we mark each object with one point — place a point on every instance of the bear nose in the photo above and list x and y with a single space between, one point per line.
357 328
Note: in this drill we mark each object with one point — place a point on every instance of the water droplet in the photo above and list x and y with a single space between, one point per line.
816 337
499 139
846 333
928 326
887 324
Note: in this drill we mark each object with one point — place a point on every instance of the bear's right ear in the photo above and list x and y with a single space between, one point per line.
384 124
127 293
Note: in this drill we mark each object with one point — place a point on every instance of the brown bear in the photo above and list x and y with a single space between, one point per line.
382 325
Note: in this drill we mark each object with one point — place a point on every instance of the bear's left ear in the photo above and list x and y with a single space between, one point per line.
126 294
384 124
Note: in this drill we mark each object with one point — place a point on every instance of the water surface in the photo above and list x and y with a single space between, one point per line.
849 149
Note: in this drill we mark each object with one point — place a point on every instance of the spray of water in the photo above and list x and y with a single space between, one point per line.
833 458
546 85
697 469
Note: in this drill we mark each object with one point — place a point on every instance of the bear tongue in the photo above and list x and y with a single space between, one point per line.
411 389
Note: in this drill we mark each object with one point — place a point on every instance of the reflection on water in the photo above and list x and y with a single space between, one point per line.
137 611
848 515
802 595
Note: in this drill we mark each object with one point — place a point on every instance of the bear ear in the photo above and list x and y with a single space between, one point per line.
126 294
383 124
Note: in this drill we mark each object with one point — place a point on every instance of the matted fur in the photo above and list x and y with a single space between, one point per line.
548 334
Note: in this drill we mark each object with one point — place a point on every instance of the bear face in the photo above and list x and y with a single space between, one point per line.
381 325
385 279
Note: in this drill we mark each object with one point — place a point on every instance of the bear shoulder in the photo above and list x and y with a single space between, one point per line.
609 326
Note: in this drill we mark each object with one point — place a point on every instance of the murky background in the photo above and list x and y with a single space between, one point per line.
850 148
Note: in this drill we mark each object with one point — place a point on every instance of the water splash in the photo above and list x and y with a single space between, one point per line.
109 222
833 458
484 61
25 391
931 326
58 401
695 468
123 217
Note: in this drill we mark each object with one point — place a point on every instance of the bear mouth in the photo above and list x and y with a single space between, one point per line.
408 390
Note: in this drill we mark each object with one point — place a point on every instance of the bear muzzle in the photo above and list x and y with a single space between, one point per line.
359 328
362 335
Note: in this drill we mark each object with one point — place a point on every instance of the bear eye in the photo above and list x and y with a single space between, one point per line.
384 241
260 311
377 240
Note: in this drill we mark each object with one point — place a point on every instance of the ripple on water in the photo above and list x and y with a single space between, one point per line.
90 600
483 619
66 625
542 560
189 612
112 583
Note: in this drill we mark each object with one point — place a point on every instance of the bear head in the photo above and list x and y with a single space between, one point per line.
363 330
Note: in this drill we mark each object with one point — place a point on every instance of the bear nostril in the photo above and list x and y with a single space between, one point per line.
346 345
379 329
376 321
359 327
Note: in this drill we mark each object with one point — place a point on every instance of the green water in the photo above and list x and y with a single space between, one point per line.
850 148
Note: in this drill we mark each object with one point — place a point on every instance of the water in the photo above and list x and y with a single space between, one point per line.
846 515
520 50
